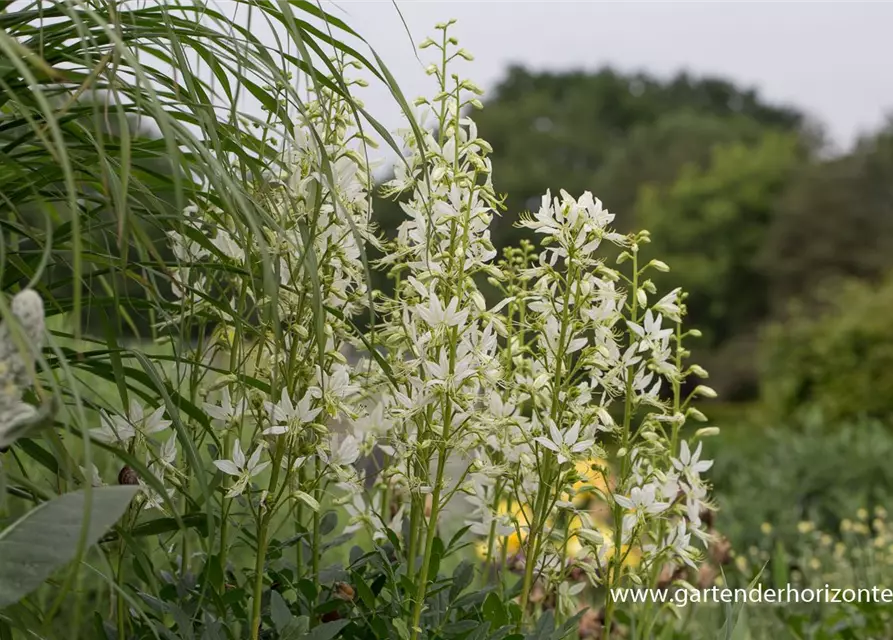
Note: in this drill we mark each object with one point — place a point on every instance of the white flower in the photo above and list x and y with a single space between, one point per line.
224 242
121 429
241 468
436 315
641 501
344 453
93 476
335 384
114 428
567 445
691 463
225 413
285 416
167 455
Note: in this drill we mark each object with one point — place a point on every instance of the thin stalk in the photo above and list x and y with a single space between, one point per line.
265 517
614 572
422 588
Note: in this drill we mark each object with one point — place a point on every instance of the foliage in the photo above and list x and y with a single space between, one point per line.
812 470
713 223
834 220
838 358
856 556
656 153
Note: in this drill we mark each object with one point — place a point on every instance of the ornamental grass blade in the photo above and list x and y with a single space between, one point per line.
53 534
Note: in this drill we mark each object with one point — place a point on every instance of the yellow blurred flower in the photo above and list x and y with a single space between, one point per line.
805 526
766 528
862 514
592 475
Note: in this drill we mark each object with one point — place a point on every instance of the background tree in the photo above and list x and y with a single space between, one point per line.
712 225
835 219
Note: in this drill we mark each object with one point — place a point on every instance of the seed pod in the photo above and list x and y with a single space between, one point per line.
128 476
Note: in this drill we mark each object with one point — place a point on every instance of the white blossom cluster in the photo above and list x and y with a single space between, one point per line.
579 361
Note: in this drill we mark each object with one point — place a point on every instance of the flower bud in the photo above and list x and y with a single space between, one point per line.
591 536
660 265
699 371
707 432
704 390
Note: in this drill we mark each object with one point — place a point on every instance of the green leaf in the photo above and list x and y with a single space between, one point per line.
49 536
780 566
402 629
279 611
742 629
307 499
327 525
494 611
363 590
158 526
326 631
462 577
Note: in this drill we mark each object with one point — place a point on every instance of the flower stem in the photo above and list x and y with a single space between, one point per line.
422 588
266 514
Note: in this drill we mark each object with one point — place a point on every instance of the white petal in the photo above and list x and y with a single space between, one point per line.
228 467
238 456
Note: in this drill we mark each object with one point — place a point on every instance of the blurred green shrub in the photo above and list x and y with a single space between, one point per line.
834 353
712 223
769 480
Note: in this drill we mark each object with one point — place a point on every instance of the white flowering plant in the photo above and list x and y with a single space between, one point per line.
294 409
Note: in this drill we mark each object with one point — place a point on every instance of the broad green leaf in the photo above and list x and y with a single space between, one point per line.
48 537
279 611
326 631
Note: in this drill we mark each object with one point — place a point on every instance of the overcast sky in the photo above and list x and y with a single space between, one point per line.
832 59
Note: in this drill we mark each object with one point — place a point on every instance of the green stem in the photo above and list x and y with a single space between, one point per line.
614 572
260 559
317 545
491 540
422 588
